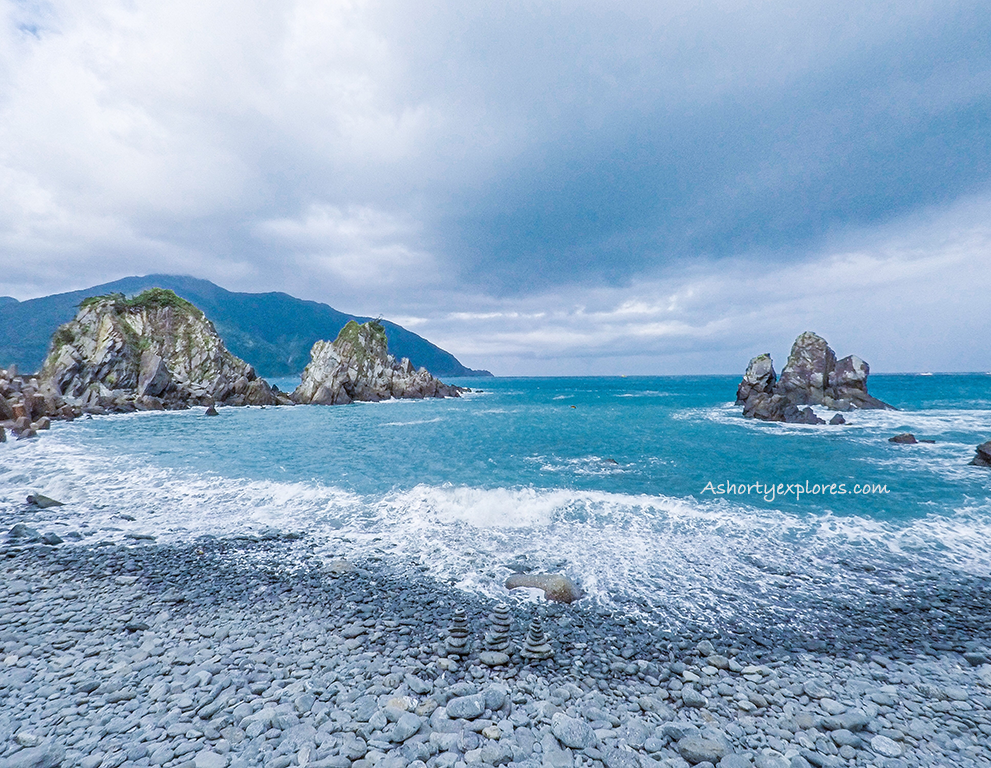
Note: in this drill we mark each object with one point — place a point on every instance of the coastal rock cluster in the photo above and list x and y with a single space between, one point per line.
26 408
812 376
155 351
357 366
213 654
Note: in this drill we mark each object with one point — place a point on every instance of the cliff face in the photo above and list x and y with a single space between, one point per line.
155 350
358 366
812 376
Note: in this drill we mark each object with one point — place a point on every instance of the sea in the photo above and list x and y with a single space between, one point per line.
653 493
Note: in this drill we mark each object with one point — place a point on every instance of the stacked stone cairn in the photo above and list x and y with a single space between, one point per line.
497 638
457 644
497 644
536 645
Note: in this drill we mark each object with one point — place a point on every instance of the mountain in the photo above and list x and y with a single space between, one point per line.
272 331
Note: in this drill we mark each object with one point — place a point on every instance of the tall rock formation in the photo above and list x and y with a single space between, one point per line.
153 351
358 366
812 376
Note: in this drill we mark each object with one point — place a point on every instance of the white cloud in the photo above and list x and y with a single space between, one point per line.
368 249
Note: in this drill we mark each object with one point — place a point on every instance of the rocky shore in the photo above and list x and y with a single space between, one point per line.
251 651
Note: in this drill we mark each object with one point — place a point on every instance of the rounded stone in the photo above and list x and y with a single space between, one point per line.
207 759
693 698
466 707
699 749
493 658
886 747
406 727
572 732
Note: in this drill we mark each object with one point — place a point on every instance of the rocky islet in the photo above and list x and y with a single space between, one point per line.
357 366
153 351
812 376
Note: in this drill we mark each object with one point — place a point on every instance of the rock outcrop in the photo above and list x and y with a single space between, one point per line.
983 456
26 408
154 351
812 376
358 366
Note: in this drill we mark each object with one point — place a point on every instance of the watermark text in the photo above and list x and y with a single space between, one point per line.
771 491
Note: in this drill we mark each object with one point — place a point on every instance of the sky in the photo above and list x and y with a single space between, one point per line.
555 188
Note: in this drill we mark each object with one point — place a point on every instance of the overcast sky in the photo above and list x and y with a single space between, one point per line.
540 188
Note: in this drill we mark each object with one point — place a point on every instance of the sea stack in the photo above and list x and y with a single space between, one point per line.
812 376
155 351
357 366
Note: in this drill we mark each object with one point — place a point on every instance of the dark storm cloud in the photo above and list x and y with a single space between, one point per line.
881 121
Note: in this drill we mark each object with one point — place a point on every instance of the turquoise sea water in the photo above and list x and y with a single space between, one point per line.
614 480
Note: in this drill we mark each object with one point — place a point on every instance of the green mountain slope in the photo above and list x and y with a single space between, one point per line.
272 331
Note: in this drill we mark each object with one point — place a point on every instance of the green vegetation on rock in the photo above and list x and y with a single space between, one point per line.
63 336
153 298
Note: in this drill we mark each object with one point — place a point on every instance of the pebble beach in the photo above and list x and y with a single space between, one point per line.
250 651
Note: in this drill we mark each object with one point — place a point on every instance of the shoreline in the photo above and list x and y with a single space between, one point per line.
231 652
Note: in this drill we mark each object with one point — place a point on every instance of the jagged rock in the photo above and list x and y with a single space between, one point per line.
906 438
43 502
457 644
211 410
812 376
357 366
497 638
758 379
837 419
154 378
556 586
983 456
805 377
21 531
117 352
536 644
792 414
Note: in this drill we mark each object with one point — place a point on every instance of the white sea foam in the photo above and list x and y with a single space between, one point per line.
412 423
582 465
654 552
646 393
871 423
